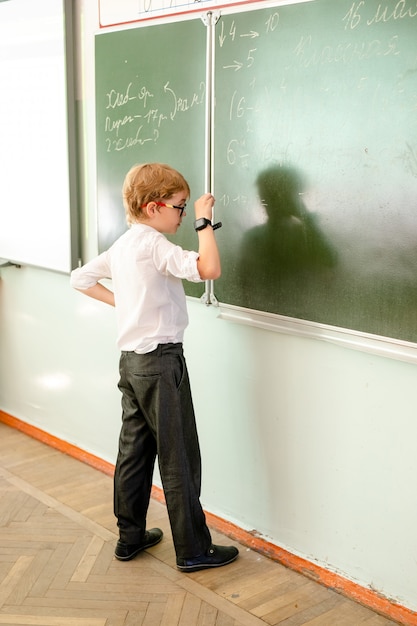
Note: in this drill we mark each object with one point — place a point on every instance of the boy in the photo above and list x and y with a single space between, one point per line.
157 410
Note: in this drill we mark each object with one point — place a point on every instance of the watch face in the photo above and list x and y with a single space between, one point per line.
201 223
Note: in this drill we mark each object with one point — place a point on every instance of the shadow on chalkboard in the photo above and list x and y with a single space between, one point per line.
286 262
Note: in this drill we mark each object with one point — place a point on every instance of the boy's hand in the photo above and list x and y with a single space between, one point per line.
204 206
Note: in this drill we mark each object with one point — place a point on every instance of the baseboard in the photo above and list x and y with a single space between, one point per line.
366 597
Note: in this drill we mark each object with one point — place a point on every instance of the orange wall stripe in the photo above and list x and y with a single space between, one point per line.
364 596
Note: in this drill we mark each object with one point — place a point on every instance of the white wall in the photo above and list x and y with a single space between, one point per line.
309 443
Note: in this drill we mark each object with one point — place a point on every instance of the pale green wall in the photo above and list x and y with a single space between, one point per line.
310 444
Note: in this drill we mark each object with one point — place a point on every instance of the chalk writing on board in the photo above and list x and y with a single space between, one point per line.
344 53
132 121
270 25
246 105
384 13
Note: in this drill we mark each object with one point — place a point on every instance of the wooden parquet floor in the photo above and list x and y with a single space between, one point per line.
57 568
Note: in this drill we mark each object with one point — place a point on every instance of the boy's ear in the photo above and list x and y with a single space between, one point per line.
150 209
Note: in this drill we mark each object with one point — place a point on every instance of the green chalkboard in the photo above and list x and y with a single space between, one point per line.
315 162
150 106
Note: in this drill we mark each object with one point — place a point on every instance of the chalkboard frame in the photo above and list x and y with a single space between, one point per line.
344 337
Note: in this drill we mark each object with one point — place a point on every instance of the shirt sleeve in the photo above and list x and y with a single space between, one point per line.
89 274
171 259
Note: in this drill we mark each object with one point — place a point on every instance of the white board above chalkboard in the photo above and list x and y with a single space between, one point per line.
36 220
126 12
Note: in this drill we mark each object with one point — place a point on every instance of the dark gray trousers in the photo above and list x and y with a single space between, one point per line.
158 420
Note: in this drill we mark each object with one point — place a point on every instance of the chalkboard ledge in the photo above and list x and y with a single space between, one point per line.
356 340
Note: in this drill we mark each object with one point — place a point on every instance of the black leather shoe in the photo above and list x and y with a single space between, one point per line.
216 556
126 551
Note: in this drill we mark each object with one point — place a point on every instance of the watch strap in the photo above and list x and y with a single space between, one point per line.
203 222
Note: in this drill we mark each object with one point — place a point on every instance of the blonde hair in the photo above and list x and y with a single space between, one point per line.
149 182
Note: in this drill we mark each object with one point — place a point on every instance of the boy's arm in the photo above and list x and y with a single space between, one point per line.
99 292
86 279
208 262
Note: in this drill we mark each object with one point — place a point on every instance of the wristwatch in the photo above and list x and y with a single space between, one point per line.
202 223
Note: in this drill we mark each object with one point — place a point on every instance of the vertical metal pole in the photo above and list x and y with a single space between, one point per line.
209 19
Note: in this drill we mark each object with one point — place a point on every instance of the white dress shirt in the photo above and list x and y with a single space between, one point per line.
146 272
